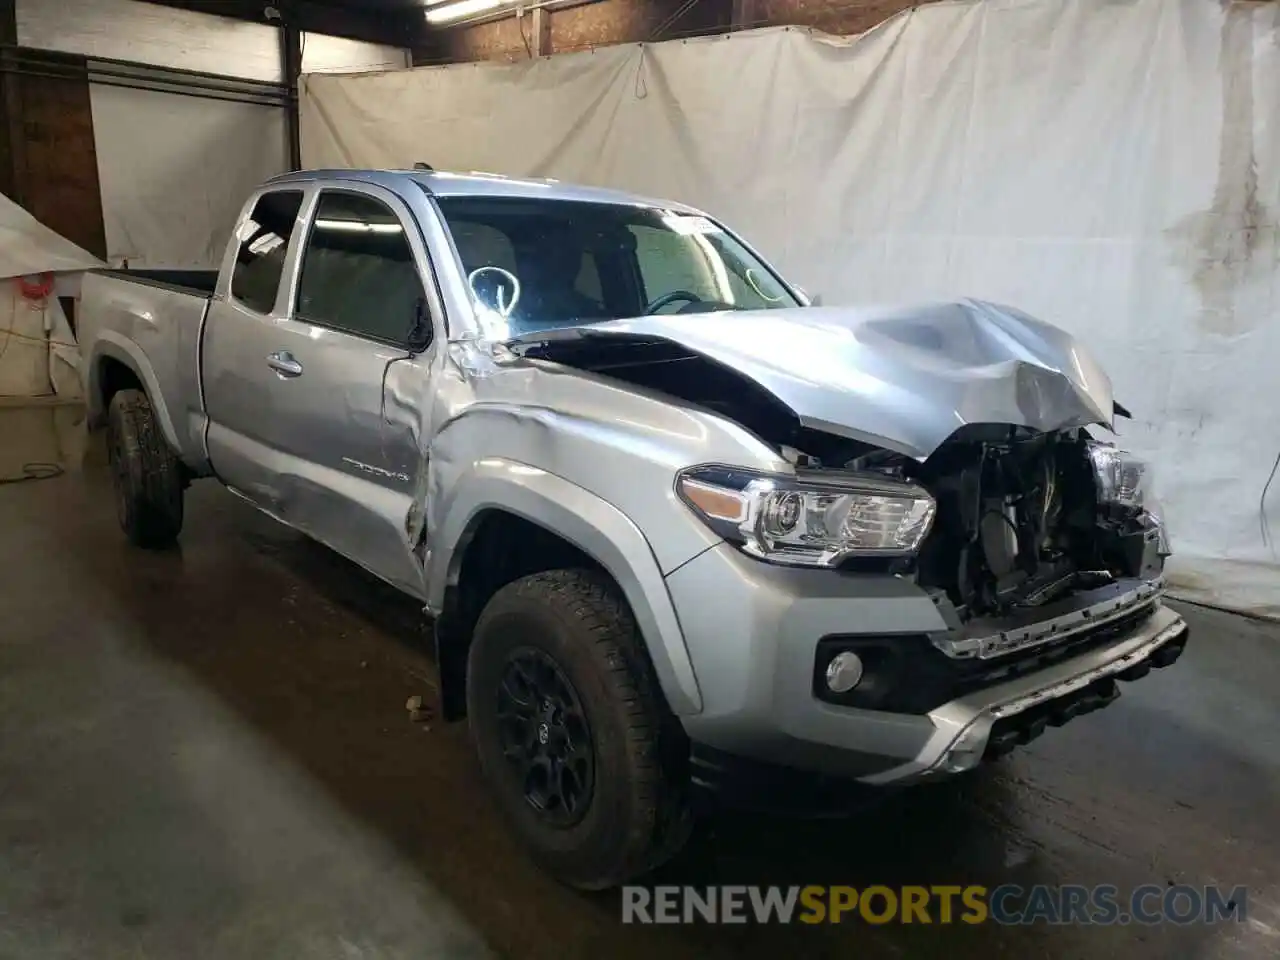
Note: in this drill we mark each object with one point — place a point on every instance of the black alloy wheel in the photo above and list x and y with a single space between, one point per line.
545 736
582 756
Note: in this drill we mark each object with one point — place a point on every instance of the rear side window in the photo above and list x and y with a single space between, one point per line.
264 243
358 271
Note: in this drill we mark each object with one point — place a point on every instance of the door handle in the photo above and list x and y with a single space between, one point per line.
284 365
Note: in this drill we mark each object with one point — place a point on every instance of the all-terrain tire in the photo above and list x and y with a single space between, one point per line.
146 474
638 814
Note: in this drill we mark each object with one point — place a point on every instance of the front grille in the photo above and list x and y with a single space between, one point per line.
906 673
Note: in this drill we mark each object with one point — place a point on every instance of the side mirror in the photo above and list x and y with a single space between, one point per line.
808 299
815 300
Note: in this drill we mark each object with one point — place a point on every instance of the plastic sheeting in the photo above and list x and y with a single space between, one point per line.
1113 168
28 247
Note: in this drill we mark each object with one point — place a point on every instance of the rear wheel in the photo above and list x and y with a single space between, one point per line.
147 477
570 730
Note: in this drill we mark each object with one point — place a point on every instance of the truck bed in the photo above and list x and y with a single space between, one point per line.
199 282
146 325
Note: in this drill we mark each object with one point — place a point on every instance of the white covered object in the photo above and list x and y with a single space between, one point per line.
24 347
38 353
1113 168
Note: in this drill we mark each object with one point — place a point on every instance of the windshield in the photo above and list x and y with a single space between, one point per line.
543 264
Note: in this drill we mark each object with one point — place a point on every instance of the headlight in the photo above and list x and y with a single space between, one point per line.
1123 479
1126 481
809 521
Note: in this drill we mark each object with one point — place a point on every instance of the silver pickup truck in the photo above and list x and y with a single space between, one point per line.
679 530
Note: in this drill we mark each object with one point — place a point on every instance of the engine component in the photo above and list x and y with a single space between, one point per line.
998 532
1022 520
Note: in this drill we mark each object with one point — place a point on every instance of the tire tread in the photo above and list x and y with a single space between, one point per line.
154 488
660 822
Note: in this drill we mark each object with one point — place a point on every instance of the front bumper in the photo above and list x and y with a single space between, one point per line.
992 722
752 630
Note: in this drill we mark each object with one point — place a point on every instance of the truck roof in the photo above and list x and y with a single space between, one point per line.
446 184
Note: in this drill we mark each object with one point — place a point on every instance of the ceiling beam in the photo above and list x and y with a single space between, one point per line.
541 30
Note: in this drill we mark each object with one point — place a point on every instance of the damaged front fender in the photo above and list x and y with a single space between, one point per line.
583 457
595 527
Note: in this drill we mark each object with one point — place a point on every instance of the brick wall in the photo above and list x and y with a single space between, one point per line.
630 21
495 40
832 16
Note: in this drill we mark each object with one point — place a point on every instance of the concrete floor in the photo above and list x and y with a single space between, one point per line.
206 753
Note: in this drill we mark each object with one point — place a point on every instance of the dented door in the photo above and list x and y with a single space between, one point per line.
302 428
340 479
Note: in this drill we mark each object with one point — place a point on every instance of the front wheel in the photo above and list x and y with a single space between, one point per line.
570 730
145 473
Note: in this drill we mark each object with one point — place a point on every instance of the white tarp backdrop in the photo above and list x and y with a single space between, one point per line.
1111 167
38 354
174 171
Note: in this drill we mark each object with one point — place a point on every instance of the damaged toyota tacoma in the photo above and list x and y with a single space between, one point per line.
679 531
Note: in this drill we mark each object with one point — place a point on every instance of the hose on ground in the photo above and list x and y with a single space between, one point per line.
35 470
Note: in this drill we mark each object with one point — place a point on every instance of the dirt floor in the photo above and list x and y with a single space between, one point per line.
206 753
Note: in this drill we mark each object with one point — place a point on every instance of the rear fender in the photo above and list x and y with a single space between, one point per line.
112 345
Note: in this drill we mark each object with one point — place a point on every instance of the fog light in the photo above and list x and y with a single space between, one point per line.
844 672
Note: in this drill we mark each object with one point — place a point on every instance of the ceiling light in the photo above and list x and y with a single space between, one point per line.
463 8
357 226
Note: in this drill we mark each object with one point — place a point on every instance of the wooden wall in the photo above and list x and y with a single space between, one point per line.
48 162
628 21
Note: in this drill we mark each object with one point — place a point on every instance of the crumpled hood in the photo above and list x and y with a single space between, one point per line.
902 378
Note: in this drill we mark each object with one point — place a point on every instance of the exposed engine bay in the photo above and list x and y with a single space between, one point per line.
1019 523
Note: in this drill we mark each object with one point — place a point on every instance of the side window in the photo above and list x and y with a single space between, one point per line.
358 273
264 243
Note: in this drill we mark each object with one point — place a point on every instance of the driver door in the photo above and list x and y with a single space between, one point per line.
341 466
361 282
